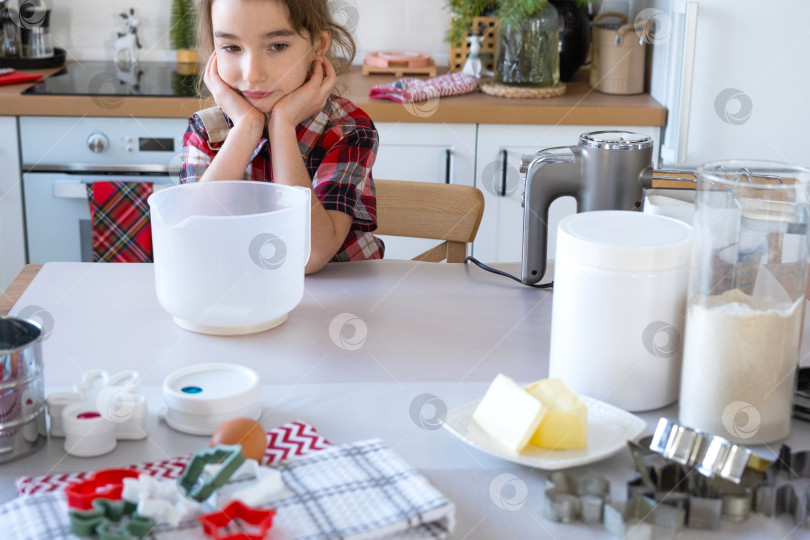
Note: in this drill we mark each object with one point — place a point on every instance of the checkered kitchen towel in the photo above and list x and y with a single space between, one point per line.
120 220
410 89
356 491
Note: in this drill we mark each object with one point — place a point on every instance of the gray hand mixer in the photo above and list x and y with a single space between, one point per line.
607 170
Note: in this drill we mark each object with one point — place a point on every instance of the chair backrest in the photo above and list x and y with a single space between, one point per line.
446 212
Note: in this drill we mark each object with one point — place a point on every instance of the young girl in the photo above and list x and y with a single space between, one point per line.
270 74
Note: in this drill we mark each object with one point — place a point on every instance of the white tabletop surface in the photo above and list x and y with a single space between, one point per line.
418 328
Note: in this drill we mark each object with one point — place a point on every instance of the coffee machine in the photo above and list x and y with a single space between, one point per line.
607 170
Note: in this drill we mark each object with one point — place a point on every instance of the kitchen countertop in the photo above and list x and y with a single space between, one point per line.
579 106
436 329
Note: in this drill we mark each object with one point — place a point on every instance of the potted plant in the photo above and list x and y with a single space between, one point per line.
463 12
182 33
531 42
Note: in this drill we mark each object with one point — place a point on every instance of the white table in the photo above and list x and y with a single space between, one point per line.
422 328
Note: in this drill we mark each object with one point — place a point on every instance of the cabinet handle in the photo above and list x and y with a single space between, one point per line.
78 190
448 166
504 165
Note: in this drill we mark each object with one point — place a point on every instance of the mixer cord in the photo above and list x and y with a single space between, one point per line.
482 266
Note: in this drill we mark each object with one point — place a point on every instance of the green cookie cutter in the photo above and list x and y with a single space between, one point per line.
231 458
105 514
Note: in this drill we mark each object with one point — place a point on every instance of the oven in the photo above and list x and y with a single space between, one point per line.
61 155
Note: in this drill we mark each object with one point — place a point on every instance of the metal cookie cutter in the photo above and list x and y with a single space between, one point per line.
99 521
568 497
777 495
642 517
100 410
706 500
710 455
231 458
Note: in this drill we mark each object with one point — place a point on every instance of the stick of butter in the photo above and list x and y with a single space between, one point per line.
565 425
509 413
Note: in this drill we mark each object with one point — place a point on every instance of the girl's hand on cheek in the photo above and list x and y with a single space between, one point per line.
310 97
234 105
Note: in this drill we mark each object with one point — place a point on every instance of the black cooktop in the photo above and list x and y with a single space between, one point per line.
153 79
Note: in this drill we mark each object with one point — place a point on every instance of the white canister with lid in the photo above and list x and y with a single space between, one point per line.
620 281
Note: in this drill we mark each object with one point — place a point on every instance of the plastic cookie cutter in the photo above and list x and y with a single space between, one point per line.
710 455
261 519
251 484
160 500
110 520
106 483
568 497
642 517
231 458
100 411
778 495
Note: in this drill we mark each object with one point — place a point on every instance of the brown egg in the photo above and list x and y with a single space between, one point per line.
245 432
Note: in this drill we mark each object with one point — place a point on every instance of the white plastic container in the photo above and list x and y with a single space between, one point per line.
230 256
620 281
200 398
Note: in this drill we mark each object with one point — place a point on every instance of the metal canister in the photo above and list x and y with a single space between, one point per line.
22 392
617 55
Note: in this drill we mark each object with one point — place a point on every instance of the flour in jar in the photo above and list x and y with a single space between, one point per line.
739 365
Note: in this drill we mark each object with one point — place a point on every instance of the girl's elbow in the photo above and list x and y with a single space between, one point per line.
314 264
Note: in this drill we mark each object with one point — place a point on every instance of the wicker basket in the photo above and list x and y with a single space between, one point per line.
481 26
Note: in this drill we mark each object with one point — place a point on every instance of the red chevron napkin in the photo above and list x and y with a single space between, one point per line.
290 440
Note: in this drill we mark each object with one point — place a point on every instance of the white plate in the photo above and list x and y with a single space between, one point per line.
609 429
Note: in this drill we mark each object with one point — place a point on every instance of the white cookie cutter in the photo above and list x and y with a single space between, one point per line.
252 484
159 499
100 411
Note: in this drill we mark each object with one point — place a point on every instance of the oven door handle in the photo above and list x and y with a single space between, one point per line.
78 190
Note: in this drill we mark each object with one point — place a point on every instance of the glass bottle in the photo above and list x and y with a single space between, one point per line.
528 50
38 43
9 32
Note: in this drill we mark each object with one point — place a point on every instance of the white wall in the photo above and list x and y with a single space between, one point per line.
87 28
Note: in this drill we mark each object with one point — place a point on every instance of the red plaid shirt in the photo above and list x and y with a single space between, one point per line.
338 146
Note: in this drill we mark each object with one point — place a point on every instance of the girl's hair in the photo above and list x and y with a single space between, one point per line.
307 17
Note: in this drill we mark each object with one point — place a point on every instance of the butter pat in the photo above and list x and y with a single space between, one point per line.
509 413
565 424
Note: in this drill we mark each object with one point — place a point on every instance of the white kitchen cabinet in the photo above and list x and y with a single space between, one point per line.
500 236
423 152
12 230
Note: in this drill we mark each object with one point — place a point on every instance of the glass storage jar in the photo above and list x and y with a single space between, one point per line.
528 50
745 309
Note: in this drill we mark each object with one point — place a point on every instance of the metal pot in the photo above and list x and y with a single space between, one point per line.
22 392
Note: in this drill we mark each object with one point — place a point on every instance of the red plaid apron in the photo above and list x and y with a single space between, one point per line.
120 219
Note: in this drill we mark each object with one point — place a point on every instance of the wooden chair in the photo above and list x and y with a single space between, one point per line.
435 211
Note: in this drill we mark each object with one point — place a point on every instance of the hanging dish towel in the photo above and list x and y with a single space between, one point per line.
410 89
120 221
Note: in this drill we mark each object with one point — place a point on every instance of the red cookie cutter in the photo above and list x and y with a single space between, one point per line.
106 483
260 518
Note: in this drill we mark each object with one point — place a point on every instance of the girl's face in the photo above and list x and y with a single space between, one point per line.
258 53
